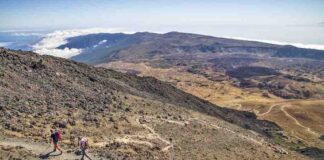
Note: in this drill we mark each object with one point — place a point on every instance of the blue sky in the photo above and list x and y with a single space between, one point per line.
284 20
22 14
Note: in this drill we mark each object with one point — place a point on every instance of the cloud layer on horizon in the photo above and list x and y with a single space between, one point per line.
300 45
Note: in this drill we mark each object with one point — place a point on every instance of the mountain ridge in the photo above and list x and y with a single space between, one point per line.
185 42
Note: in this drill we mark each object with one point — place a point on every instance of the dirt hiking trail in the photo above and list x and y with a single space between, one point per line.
43 150
282 108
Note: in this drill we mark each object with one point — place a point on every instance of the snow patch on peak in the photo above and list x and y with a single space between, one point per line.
100 43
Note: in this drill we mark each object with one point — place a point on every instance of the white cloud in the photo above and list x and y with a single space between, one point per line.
64 53
300 45
48 45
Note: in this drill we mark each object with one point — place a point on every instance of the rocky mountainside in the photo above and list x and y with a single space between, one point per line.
124 116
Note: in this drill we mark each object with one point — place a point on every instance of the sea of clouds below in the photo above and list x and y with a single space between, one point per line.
49 43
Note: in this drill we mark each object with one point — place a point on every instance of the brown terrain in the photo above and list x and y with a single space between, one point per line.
289 114
282 84
123 115
241 99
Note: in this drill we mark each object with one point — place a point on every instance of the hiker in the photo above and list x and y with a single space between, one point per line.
56 136
83 143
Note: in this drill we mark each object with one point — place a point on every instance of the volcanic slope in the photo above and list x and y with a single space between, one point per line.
124 116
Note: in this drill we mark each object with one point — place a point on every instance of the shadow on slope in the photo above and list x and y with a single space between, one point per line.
312 152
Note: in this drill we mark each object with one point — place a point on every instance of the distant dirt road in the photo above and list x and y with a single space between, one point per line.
268 111
282 108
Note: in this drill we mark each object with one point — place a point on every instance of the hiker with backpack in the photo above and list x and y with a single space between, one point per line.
84 145
56 136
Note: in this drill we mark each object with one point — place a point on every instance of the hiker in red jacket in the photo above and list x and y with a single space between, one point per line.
56 136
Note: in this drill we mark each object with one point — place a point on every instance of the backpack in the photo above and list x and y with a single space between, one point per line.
84 143
58 135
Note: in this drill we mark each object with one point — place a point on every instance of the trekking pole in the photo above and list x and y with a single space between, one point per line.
172 151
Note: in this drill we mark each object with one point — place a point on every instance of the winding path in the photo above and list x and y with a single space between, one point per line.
259 142
152 135
158 136
268 111
282 108
42 148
